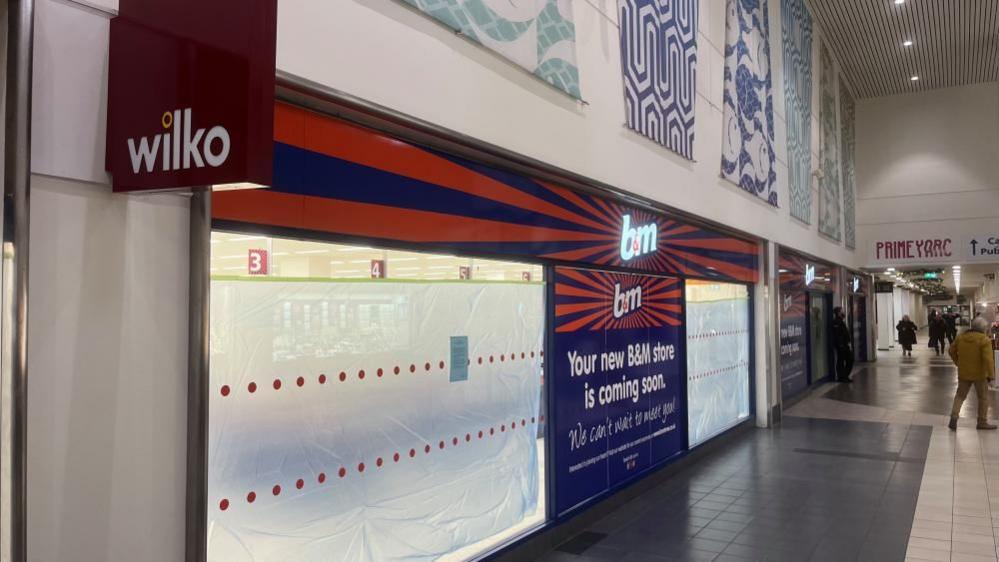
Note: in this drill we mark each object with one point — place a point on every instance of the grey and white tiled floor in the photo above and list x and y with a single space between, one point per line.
861 472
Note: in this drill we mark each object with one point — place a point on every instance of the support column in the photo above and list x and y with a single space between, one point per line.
196 536
14 329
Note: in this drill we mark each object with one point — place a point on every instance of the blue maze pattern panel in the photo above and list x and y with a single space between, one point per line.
748 135
829 202
848 141
659 62
797 44
538 35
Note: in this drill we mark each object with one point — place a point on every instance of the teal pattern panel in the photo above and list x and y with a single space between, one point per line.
829 200
797 48
538 35
848 139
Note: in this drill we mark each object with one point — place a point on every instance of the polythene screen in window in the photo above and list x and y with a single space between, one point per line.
717 358
341 427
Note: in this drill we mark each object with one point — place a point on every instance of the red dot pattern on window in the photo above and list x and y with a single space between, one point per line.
343 376
224 390
300 381
252 387
251 497
360 374
322 379
277 384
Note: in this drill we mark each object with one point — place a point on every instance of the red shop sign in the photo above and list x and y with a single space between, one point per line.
191 94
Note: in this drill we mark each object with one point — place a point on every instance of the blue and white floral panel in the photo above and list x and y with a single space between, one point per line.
538 35
848 134
797 44
748 137
659 61
829 200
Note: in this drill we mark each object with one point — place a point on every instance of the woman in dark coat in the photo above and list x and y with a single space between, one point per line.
906 335
938 333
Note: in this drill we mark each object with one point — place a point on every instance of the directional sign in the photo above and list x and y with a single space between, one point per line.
983 248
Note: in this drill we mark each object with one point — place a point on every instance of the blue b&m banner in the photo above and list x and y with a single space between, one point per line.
617 372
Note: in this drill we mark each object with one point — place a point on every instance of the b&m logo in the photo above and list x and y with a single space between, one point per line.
809 274
627 301
180 146
639 240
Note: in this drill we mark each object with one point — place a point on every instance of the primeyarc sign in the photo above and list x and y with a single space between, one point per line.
913 250
191 94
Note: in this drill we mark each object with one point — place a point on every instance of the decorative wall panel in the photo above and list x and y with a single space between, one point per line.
847 115
748 137
797 42
538 35
829 201
659 60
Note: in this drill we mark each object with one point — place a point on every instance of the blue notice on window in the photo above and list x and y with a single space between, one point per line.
459 358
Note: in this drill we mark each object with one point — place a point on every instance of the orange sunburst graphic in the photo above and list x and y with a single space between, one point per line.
599 300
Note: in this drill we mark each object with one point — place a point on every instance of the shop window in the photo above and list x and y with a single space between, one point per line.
717 358
371 415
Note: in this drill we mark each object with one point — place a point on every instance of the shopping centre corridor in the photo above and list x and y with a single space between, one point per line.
867 471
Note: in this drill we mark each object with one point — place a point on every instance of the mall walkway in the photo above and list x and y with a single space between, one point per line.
861 472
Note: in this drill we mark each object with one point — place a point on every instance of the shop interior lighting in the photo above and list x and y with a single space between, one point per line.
302 252
907 43
246 238
336 262
899 2
914 78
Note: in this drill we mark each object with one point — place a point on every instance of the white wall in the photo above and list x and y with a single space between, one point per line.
107 324
385 52
926 165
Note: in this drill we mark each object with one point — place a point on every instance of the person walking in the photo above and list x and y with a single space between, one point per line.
906 335
842 345
938 332
951 319
972 353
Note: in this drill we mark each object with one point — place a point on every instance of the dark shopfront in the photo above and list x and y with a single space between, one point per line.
637 346
858 288
807 287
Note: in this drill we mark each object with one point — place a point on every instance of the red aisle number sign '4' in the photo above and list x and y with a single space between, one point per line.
377 269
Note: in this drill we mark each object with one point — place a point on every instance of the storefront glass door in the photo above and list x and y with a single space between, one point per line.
818 339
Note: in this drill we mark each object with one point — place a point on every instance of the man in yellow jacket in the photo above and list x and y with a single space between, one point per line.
972 353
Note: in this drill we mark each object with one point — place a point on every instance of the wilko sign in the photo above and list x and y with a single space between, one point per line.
180 146
191 94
